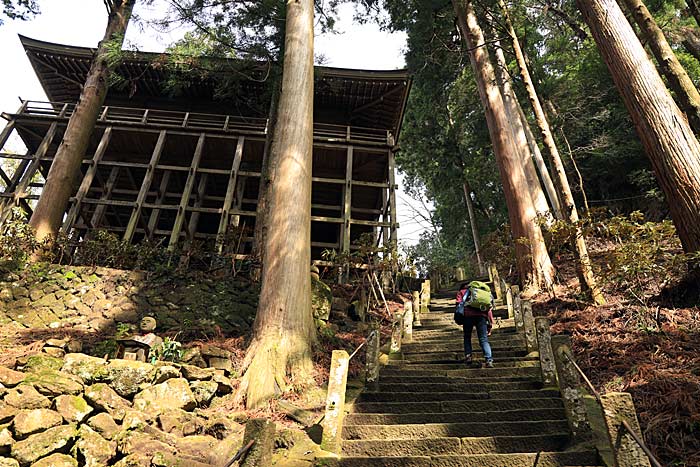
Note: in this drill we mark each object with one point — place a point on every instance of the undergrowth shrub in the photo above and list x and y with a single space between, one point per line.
17 242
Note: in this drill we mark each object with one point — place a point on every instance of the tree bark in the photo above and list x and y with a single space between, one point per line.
668 140
261 210
65 169
284 328
518 132
585 271
475 229
694 10
691 42
681 84
533 260
541 166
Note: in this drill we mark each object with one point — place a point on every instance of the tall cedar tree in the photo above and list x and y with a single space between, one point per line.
678 79
65 169
533 260
668 140
585 271
284 330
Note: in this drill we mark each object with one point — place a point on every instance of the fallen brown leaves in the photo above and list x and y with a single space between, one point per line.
649 351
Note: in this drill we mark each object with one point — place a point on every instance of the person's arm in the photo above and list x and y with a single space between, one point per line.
489 324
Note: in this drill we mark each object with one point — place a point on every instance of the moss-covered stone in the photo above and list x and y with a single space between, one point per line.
8 462
28 422
72 408
105 425
173 394
54 383
127 376
102 396
41 444
42 362
90 369
56 460
321 299
93 448
25 396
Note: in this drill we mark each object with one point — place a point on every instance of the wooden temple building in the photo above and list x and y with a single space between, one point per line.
184 167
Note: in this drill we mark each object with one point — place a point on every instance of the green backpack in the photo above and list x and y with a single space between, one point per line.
480 296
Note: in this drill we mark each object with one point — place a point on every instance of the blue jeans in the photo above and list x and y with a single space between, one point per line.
481 324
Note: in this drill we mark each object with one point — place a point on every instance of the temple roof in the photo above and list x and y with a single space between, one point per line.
366 98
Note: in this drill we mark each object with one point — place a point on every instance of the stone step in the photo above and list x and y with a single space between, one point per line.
454 417
455 445
508 362
533 371
446 331
421 338
459 387
455 396
455 406
439 430
448 351
448 358
541 459
458 379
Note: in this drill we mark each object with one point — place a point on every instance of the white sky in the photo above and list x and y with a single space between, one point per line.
82 23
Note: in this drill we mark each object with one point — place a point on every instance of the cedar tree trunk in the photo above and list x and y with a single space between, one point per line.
681 84
284 328
518 132
534 264
65 169
585 271
475 230
666 135
691 42
541 166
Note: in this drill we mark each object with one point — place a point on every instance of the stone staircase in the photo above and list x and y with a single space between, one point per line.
431 410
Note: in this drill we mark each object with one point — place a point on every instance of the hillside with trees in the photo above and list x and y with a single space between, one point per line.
555 141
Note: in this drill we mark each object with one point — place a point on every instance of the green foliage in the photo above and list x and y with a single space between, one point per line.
170 350
19 9
17 242
104 248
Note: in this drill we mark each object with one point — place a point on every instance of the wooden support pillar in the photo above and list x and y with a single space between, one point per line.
238 203
160 198
385 217
230 193
26 177
347 202
87 181
145 186
392 197
186 193
99 213
199 201
6 132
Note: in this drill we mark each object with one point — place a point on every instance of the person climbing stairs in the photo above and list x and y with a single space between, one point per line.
431 409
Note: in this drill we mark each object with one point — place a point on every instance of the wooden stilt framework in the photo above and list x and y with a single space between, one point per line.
177 177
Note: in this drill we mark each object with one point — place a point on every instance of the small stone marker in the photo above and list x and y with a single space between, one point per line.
416 309
372 357
529 325
335 402
570 387
262 431
517 308
544 343
396 332
408 322
618 406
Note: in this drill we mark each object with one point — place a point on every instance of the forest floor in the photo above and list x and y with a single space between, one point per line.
645 343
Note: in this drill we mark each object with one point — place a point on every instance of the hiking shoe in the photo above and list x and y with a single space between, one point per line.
468 360
489 364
